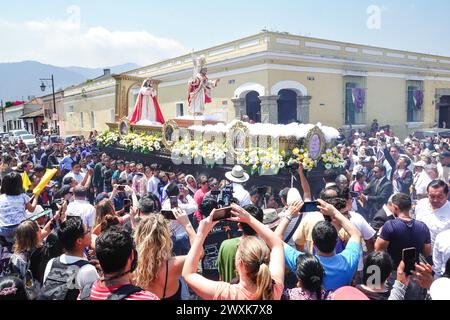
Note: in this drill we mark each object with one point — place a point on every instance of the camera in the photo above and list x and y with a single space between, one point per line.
225 197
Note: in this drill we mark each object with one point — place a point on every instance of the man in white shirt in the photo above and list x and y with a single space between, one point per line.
76 173
435 210
441 253
153 182
421 180
237 176
444 166
81 207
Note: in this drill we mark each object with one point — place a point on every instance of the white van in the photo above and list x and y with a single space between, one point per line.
14 135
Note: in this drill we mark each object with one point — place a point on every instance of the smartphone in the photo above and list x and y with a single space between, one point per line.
54 206
174 202
121 188
409 257
126 205
310 207
222 214
354 194
168 214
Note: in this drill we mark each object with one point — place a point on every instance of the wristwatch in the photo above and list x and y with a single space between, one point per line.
288 217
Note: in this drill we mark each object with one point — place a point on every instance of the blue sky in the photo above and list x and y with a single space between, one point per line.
147 31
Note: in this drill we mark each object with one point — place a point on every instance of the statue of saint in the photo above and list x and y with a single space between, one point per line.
147 110
200 88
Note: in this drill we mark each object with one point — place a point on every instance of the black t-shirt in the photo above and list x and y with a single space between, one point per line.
224 230
374 295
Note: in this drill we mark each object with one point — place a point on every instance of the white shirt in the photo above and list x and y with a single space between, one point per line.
86 275
441 253
367 232
421 182
78 177
83 209
189 208
152 186
436 220
444 172
241 194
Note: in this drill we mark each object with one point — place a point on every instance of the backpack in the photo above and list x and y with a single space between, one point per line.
120 294
60 283
5 257
19 265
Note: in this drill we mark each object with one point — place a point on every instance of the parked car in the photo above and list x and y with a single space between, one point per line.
51 139
68 139
14 135
424 133
29 140
4 136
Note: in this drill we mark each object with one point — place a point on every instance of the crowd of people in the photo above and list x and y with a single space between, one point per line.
106 229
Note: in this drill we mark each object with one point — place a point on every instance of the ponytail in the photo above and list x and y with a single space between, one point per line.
264 283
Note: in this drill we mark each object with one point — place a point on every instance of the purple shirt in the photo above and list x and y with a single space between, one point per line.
403 234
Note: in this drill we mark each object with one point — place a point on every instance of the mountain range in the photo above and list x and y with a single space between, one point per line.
20 80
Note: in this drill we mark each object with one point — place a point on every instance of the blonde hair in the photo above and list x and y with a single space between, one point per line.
26 236
153 238
255 255
103 209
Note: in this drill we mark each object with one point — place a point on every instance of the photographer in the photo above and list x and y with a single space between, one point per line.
238 177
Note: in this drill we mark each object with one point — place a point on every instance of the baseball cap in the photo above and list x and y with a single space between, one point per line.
420 163
445 154
292 196
61 193
39 168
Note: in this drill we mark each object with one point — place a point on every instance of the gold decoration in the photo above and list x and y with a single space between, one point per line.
167 133
237 138
124 126
315 142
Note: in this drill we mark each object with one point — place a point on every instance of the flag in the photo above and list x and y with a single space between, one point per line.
26 183
49 174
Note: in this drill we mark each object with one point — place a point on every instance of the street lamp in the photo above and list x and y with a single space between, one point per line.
43 86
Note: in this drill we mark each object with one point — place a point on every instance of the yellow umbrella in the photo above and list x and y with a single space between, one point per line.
49 174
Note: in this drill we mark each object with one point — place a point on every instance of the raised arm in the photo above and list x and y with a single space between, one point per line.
329 210
275 244
304 184
291 213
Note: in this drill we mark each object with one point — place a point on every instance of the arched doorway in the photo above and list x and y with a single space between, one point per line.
444 112
287 106
253 106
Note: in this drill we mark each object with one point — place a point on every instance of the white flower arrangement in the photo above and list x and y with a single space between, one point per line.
262 160
211 152
139 142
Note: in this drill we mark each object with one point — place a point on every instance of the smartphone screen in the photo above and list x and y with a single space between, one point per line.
409 257
354 194
168 214
174 202
310 207
126 205
222 214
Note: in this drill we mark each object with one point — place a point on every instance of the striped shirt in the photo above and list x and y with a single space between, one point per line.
100 292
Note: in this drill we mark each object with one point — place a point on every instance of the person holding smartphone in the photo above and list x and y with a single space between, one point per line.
259 262
403 233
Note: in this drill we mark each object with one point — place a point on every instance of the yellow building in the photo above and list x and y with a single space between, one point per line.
277 78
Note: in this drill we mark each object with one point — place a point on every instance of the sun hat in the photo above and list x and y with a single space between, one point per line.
271 218
293 195
237 175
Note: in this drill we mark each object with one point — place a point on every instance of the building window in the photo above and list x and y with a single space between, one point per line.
355 100
92 120
113 115
180 110
19 124
415 101
81 120
70 109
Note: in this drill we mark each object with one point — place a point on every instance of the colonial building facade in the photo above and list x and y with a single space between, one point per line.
279 78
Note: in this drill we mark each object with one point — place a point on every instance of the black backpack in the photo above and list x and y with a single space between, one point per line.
120 294
60 283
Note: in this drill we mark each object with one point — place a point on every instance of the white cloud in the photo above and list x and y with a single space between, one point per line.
69 43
